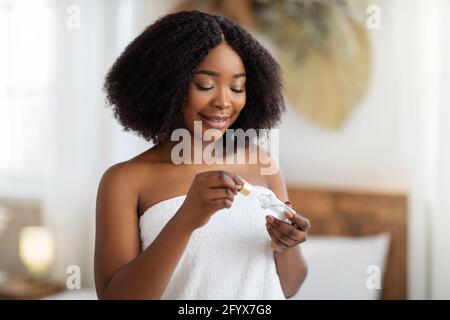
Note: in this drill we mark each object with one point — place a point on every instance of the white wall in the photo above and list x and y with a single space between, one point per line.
369 152
440 272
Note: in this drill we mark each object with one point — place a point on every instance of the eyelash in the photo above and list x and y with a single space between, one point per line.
199 87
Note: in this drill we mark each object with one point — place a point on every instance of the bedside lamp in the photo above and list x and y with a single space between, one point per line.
36 249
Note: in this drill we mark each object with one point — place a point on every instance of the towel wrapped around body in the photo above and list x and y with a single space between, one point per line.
228 258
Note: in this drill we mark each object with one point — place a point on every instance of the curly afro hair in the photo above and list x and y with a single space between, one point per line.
147 86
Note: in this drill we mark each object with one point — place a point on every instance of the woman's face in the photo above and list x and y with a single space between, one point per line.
216 93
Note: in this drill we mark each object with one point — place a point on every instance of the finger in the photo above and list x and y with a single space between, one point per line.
239 182
279 245
222 179
237 179
282 237
222 204
300 238
289 214
301 222
221 193
288 230
218 176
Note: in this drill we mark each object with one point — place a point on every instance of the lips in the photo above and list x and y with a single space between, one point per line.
215 121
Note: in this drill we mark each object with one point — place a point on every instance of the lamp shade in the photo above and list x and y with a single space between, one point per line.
36 249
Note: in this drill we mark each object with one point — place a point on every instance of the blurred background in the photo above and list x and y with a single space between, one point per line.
364 147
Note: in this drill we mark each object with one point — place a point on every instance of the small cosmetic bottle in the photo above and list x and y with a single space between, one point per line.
268 202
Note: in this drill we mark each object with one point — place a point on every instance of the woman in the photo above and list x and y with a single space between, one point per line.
170 230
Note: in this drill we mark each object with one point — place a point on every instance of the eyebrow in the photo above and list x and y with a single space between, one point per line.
215 74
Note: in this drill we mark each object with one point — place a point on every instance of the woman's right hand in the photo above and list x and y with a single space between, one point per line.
209 192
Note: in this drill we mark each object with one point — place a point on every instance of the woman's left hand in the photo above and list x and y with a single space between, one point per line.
284 235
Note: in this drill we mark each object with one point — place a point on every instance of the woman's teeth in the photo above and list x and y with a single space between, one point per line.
215 122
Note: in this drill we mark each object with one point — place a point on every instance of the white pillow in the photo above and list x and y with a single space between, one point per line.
344 267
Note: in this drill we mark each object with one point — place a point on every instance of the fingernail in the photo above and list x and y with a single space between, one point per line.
269 219
288 214
241 182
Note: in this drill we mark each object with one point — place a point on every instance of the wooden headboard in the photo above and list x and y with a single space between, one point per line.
346 213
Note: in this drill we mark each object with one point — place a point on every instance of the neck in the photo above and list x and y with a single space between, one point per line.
196 147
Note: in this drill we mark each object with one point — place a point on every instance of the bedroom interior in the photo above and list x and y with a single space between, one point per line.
363 150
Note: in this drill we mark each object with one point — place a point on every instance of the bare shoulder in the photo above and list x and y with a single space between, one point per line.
266 162
130 174
124 175
128 185
269 168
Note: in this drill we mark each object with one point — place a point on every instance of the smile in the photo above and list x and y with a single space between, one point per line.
217 122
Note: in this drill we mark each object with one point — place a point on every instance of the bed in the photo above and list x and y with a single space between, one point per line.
359 220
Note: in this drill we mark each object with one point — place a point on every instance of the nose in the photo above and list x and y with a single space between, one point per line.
222 100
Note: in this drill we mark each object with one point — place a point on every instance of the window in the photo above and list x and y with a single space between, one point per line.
24 86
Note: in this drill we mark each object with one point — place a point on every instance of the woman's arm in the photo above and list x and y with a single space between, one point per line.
292 270
121 271
291 265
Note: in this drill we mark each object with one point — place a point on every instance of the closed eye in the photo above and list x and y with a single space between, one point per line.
237 90
202 88
199 87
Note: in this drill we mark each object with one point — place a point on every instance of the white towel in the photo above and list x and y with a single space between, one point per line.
228 258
